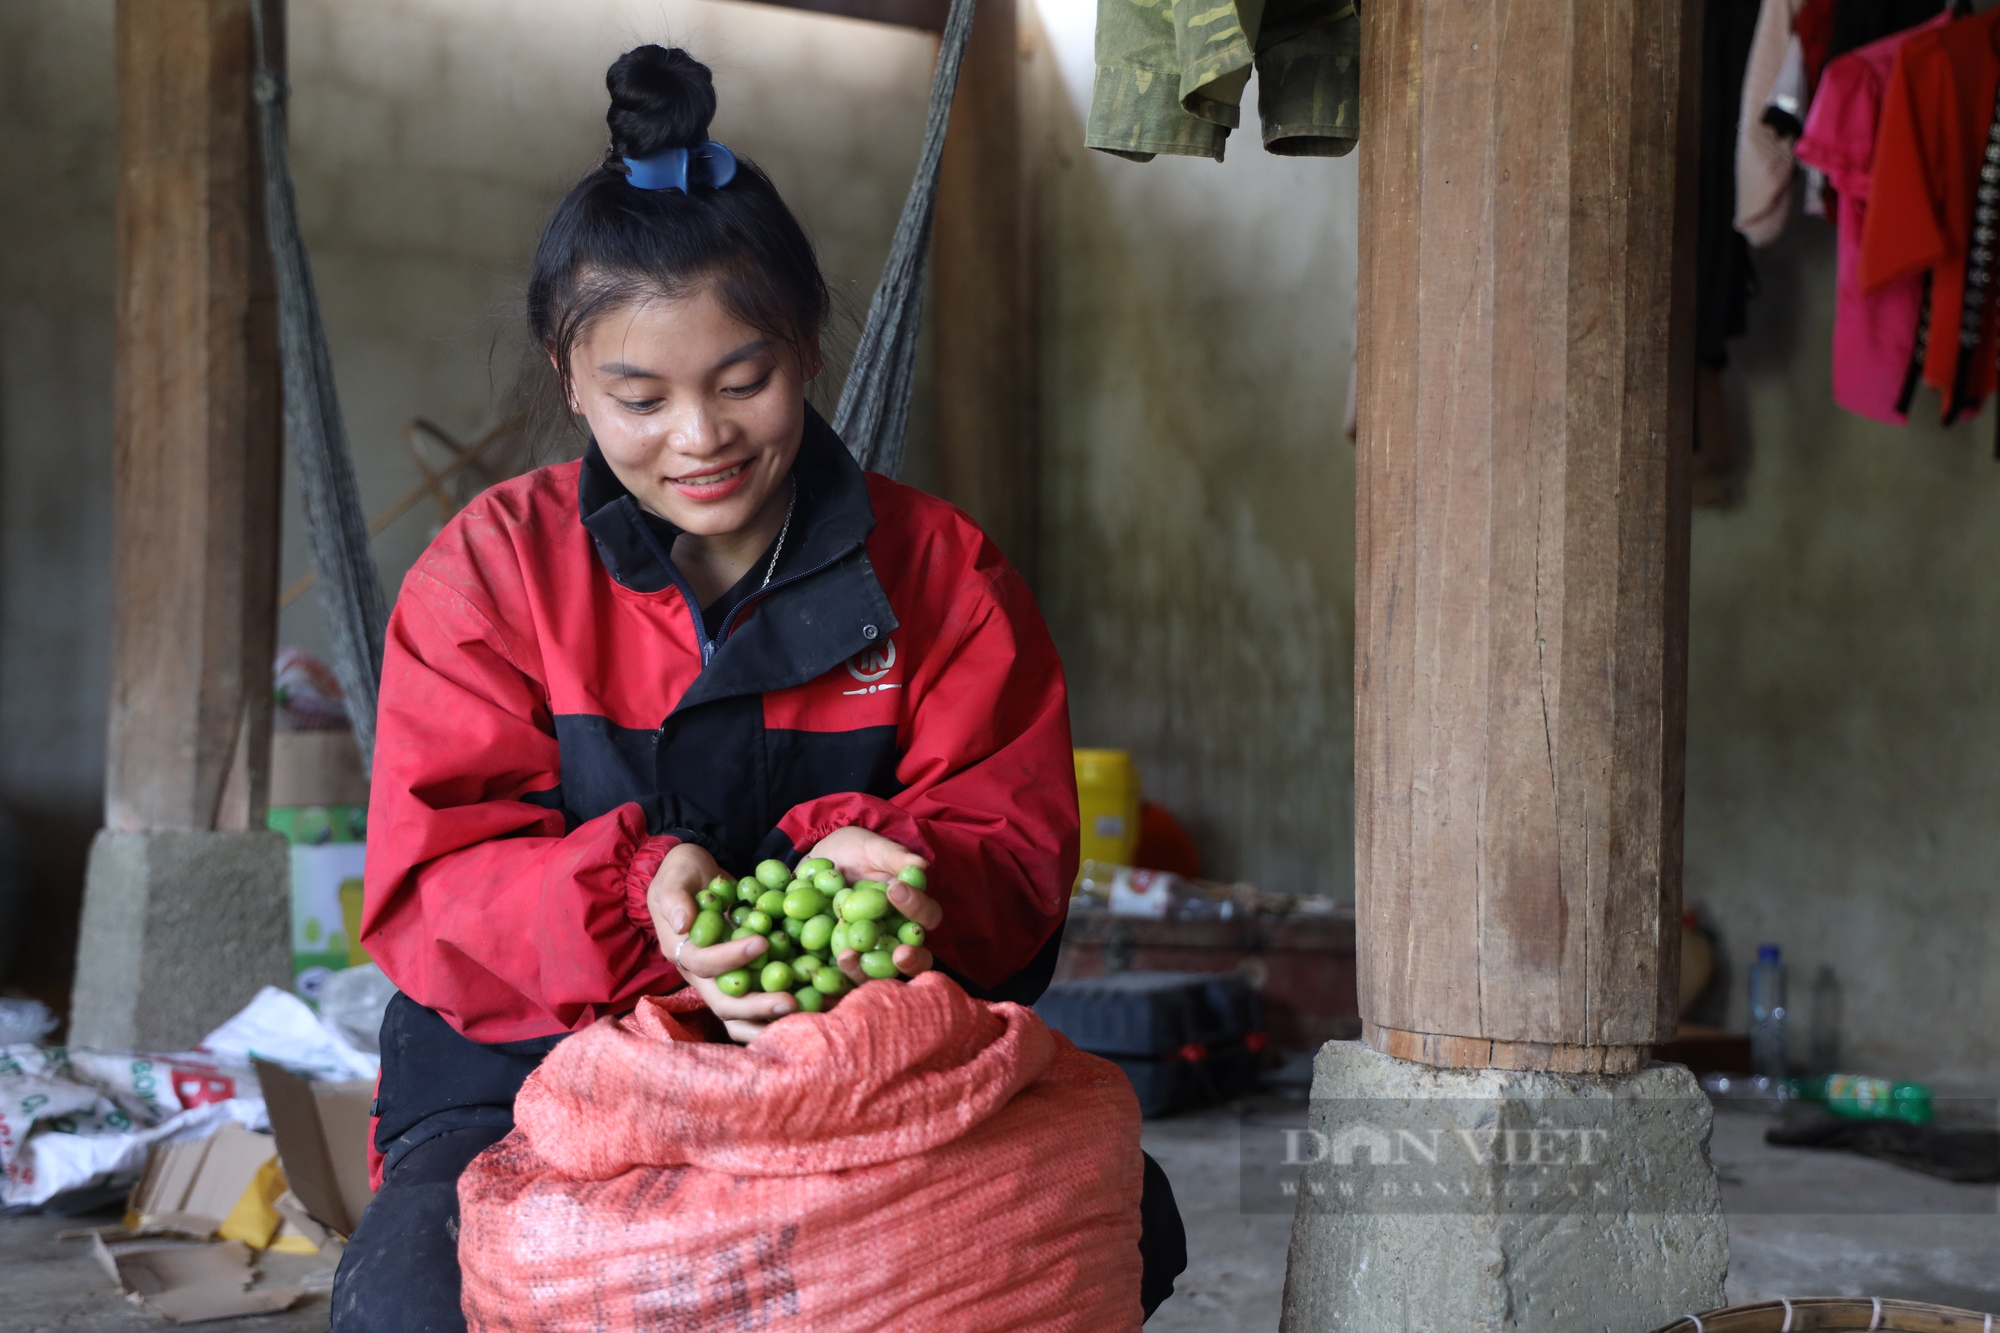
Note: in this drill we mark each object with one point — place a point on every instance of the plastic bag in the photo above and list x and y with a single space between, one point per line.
280 1027
79 1120
23 1022
352 1002
914 1159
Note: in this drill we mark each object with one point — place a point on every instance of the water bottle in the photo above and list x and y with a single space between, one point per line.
1858 1097
1767 1013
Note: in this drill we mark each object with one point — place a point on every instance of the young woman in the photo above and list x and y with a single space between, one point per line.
711 641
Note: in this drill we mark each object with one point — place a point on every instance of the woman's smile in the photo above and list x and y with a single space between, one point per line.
714 484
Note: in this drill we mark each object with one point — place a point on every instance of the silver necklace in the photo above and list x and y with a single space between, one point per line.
779 549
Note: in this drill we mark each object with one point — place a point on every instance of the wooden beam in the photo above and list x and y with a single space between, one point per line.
1521 585
981 331
928 15
196 464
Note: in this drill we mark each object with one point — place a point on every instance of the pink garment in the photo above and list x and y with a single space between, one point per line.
1874 333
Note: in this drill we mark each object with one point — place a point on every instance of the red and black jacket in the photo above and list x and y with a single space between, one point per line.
555 715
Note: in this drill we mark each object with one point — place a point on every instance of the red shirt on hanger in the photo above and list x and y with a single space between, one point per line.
1935 119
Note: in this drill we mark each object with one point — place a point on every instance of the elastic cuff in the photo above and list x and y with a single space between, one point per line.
814 820
639 872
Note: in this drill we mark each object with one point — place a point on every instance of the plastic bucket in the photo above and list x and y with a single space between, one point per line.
1107 795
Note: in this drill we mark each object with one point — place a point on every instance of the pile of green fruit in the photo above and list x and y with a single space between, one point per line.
808 917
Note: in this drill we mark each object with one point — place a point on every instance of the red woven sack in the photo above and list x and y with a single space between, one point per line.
914 1159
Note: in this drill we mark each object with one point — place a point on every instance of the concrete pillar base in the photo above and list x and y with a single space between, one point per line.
1495 1199
179 931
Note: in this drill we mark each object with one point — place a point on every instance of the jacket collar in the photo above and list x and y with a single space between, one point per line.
824 604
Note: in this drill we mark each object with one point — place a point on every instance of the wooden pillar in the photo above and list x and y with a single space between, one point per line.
987 458
196 464
1521 590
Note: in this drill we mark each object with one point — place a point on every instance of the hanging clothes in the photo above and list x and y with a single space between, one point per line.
1874 332
1938 119
1859 23
1785 108
1763 156
1723 275
1171 74
1814 26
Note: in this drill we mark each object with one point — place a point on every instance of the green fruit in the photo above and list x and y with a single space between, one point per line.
815 934
807 964
839 901
863 935
722 884
773 874
802 904
913 877
734 984
771 903
811 999
759 921
782 945
812 865
829 881
837 940
708 900
741 933
867 905
871 884
878 964
777 976
793 926
747 889
740 913
910 933
830 981
707 929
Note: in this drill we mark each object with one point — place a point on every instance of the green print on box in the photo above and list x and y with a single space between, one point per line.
329 851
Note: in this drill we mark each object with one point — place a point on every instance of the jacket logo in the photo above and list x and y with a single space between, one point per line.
871 664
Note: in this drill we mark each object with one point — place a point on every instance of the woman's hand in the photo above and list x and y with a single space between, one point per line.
859 854
670 898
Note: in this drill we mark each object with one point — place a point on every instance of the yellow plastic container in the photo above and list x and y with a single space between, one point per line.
1107 791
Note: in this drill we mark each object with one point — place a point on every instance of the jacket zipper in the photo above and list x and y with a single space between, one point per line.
708 645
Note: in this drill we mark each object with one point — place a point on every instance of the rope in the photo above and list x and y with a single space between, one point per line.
350 591
874 411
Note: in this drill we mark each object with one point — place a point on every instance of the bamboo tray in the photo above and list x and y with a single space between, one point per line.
1835 1314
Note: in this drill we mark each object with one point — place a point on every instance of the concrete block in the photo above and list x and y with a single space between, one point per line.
1492 1200
179 931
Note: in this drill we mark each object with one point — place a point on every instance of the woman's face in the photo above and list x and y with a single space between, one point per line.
697 413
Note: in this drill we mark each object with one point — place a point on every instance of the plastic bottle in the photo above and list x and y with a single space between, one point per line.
1859 1097
1767 1013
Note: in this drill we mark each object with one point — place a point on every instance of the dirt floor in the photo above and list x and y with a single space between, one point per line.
1801 1223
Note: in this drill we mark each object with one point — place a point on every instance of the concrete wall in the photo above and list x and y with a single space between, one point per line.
430 138
56 137
1844 699
1198 526
1198 535
1844 711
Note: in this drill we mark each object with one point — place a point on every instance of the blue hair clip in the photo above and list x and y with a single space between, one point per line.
707 164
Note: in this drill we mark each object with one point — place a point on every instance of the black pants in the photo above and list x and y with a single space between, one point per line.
400 1272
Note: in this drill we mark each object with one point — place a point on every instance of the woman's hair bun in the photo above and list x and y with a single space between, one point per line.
661 98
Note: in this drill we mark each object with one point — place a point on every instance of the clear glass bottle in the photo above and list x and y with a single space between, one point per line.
1767 1013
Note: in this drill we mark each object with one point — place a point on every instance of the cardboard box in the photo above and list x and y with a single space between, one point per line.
322 1134
316 768
191 1283
319 801
187 1189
